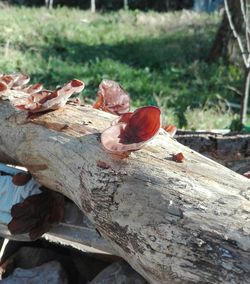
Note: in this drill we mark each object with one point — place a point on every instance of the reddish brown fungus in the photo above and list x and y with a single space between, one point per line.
8 80
19 80
18 83
124 118
179 158
76 83
49 100
21 178
247 174
32 89
112 98
74 101
133 131
36 214
170 129
3 89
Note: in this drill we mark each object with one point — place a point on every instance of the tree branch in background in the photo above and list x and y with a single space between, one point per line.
125 4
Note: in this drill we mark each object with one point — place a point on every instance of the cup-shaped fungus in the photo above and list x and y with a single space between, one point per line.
36 214
20 179
9 80
179 157
3 89
33 89
247 174
17 82
112 98
124 118
132 130
49 100
170 129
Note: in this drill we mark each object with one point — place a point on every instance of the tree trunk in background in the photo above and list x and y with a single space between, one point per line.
172 222
49 4
225 45
125 4
93 6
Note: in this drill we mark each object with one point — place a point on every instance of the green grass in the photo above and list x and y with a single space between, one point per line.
158 58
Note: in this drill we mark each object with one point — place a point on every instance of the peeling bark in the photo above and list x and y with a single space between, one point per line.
172 222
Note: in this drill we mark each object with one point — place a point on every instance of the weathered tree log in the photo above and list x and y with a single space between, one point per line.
231 150
172 222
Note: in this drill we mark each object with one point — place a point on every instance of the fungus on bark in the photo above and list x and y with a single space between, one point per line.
17 82
112 98
122 119
3 89
74 101
21 178
170 129
131 131
36 214
179 158
49 100
32 89
247 174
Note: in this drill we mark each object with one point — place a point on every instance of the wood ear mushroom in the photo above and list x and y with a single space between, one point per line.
132 130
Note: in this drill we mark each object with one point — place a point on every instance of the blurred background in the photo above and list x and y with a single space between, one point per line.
178 55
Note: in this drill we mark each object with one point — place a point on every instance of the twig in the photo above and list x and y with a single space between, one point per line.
236 91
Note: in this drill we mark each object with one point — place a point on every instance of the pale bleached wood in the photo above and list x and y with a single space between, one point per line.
172 222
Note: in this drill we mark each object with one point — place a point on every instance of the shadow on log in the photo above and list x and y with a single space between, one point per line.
172 222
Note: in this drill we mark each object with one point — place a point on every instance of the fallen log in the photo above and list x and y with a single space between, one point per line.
231 150
172 222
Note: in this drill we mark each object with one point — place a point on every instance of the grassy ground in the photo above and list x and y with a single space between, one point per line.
158 58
